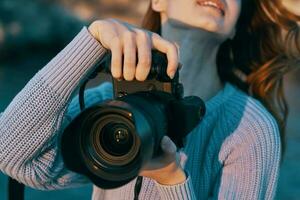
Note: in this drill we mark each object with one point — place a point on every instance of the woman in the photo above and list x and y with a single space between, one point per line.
234 153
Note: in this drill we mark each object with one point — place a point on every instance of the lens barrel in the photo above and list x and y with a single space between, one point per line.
114 139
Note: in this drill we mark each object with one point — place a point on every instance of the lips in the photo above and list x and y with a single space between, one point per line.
217 4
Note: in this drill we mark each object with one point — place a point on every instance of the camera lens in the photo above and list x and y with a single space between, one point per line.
116 139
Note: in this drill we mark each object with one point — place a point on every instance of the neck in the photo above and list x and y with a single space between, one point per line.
198 51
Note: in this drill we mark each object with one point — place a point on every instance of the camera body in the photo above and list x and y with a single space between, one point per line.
109 142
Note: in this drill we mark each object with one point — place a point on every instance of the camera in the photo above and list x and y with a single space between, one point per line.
111 141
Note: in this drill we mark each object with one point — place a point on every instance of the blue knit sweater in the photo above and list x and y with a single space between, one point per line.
234 153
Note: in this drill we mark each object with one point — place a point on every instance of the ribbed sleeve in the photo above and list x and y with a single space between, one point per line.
30 124
183 191
68 68
251 158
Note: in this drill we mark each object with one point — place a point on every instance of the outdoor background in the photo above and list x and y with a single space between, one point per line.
32 32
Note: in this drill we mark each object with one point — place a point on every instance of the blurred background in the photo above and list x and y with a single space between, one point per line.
32 32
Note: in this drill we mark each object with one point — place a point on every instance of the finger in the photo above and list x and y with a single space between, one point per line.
144 55
169 158
168 155
178 49
116 58
178 54
168 146
129 56
164 161
170 50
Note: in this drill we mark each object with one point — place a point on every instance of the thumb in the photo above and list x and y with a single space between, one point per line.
168 146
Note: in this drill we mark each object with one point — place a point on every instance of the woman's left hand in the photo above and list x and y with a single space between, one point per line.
166 169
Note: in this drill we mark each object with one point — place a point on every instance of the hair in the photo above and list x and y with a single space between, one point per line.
257 58
262 55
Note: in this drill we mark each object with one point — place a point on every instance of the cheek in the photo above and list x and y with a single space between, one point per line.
292 6
179 9
233 16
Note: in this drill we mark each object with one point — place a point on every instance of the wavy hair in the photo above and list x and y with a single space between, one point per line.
266 47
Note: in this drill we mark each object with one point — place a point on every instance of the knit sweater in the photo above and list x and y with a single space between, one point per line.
233 153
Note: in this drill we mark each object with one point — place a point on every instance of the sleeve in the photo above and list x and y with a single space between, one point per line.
251 160
182 191
30 125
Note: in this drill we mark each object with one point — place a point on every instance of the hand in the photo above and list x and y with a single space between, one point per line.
166 169
135 44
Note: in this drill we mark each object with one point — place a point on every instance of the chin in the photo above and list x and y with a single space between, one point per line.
209 25
215 30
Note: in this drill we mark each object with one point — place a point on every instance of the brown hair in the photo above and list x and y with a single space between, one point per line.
266 55
258 56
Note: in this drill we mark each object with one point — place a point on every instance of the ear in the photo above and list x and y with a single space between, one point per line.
159 5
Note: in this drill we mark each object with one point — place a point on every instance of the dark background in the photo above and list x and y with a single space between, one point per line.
32 32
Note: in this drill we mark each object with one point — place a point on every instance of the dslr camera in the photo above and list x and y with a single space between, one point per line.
110 141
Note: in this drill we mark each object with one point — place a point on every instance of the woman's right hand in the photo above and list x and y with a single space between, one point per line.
134 45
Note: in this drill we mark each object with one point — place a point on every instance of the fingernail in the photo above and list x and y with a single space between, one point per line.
172 74
165 140
168 145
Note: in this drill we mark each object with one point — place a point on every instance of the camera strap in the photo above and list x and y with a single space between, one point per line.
15 190
137 187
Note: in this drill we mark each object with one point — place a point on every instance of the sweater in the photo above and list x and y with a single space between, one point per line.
233 153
